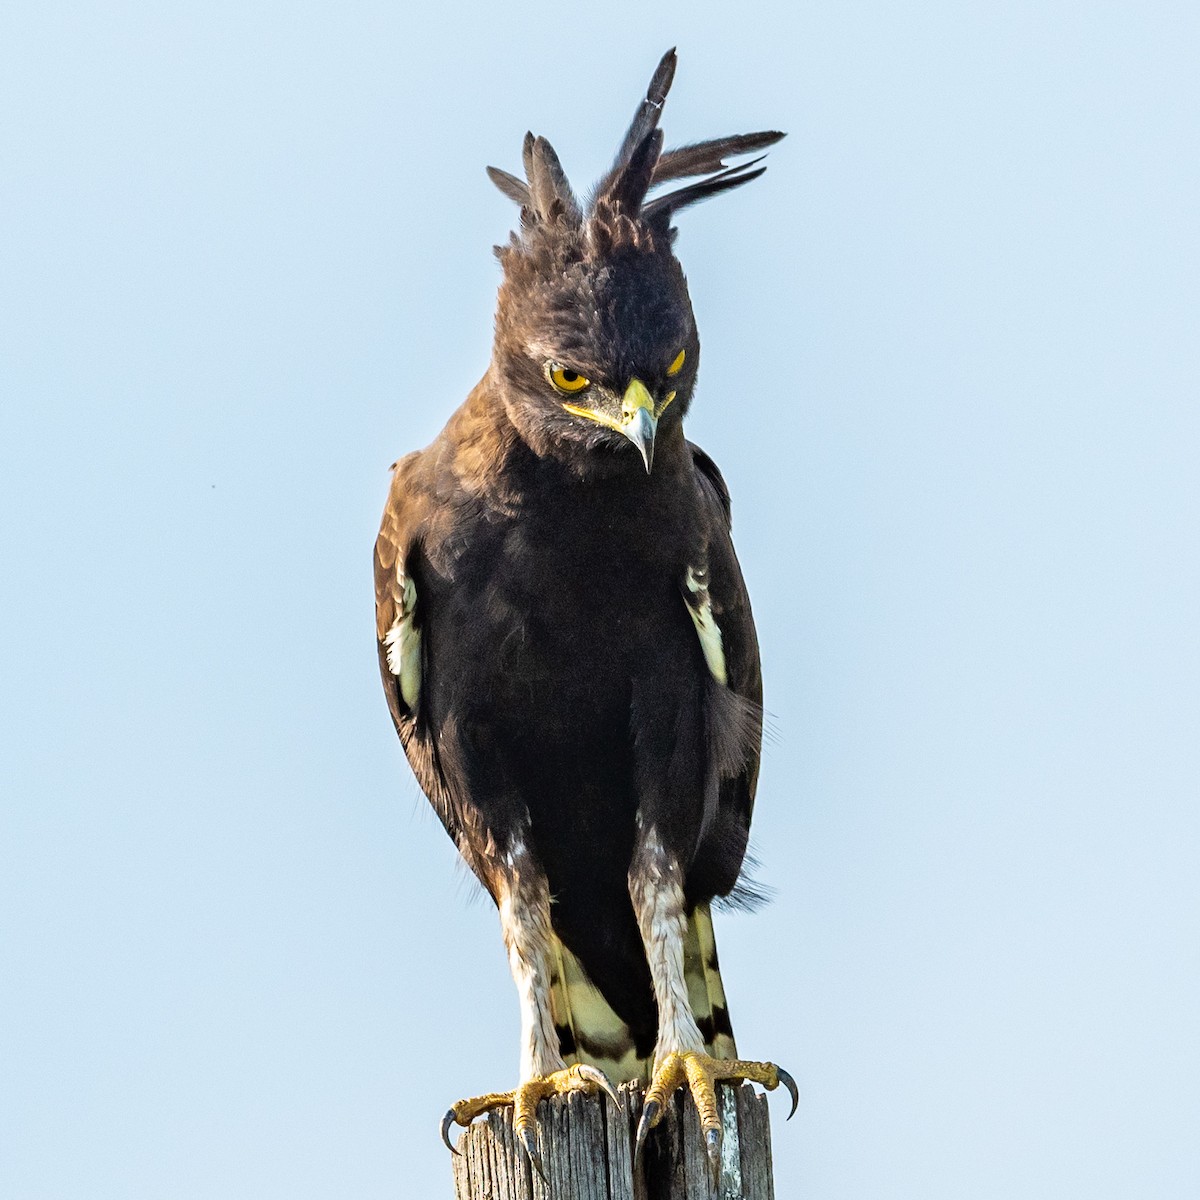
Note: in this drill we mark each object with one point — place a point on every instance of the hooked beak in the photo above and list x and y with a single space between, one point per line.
638 420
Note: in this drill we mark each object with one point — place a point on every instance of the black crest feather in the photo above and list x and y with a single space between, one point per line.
552 195
511 186
645 120
703 157
640 165
626 187
662 208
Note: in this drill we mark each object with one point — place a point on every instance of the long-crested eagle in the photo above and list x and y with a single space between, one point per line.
566 640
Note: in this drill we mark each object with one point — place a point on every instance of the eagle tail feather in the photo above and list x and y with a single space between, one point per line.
590 1032
706 992
588 1029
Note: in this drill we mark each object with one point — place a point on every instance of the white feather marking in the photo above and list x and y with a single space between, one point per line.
656 888
700 606
403 642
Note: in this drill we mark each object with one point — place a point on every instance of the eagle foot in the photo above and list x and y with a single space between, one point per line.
524 1100
701 1074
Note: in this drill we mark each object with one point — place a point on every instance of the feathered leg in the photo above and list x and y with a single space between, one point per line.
524 901
656 888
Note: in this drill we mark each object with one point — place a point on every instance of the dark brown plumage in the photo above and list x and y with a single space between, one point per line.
565 638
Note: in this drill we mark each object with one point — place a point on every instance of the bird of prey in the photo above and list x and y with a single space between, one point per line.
566 641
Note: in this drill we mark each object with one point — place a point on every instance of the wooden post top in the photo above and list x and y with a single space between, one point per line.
587 1146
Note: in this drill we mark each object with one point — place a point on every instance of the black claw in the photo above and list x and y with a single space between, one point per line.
447 1121
712 1143
601 1081
789 1083
649 1115
529 1141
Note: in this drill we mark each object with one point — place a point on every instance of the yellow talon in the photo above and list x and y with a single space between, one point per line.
702 1073
524 1101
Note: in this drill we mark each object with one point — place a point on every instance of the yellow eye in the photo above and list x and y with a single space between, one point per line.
677 365
567 381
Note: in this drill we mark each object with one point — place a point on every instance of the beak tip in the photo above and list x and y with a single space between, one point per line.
640 431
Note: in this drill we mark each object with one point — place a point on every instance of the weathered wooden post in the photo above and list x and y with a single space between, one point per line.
586 1148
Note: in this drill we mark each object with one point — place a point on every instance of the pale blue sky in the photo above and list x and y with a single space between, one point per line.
950 372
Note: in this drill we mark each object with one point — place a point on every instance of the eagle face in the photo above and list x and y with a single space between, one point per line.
596 346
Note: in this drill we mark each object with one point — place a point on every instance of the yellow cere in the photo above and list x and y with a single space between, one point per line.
677 365
568 381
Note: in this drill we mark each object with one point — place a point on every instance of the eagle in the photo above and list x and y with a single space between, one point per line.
566 642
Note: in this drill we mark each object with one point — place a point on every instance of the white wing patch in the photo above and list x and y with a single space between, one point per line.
700 606
403 642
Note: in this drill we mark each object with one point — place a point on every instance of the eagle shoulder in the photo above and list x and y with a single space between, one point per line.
712 482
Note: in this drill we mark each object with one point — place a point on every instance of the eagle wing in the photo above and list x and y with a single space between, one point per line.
735 733
398 621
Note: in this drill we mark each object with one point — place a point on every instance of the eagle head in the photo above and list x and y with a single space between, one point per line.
596 350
